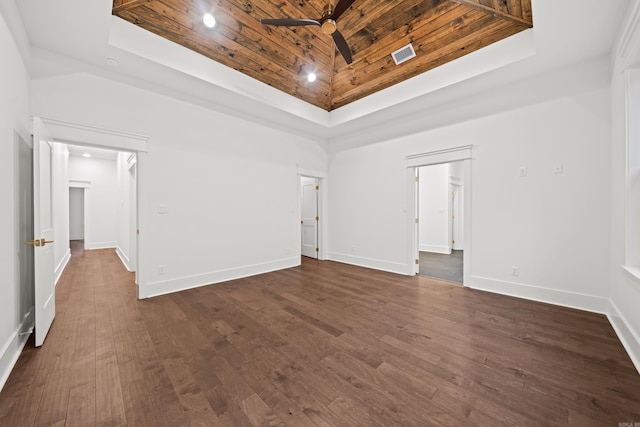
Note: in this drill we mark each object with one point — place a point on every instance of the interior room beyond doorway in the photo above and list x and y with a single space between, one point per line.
440 219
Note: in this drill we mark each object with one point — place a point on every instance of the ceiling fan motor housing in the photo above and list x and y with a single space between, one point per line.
329 26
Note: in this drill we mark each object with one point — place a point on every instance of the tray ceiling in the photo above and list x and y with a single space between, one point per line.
439 31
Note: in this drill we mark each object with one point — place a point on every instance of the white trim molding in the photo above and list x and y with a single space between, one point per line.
62 265
592 303
627 46
163 287
435 249
447 155
124 258
76 133
313 173
376 264
628 338
100 245
11 349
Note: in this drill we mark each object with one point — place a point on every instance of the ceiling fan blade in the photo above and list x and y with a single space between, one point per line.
342 46
340 8
288 22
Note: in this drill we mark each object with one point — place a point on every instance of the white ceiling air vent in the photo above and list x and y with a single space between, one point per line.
403 54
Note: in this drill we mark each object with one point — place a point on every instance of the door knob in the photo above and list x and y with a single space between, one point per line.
44 242
33 243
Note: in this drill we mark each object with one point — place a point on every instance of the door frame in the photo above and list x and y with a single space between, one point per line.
322 178
92 136
415 161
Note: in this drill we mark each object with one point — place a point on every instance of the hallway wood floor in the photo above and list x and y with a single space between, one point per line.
324 344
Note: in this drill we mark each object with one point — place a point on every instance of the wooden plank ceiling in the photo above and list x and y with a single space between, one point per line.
439 30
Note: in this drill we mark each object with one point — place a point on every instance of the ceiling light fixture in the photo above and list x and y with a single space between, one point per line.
209 20
311 77
87 155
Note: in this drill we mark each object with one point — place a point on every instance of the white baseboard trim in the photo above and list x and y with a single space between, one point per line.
376 264
62 265
627 336
13 347
124 258
157 288
100 245
575 300
435 249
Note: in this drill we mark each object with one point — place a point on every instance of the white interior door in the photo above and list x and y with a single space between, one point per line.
309 221
45 298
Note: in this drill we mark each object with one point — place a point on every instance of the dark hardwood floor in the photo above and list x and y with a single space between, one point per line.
325 344
442 266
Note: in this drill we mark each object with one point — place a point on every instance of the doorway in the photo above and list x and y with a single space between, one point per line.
24 233
440 217
460 160
102 201
309 188
76 220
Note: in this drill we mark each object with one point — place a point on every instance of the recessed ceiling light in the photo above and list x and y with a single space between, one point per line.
209 20
312 77
87 155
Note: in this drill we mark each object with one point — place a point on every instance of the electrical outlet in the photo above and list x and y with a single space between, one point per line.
515 270
161 269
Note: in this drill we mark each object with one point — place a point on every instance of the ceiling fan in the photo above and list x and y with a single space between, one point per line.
327 24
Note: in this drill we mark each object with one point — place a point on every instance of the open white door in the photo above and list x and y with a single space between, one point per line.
309 217
45 298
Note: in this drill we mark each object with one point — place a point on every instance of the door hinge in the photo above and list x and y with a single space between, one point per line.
453 242
453 217
317 187
317 218
417 179
317 250
417 261
417 220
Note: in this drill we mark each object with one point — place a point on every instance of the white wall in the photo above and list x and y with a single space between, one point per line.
101 199
76 213
16 303
554 227
60 198
230 187
433 209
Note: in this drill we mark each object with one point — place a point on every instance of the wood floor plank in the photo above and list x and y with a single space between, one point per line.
110 410
324 344
81 411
